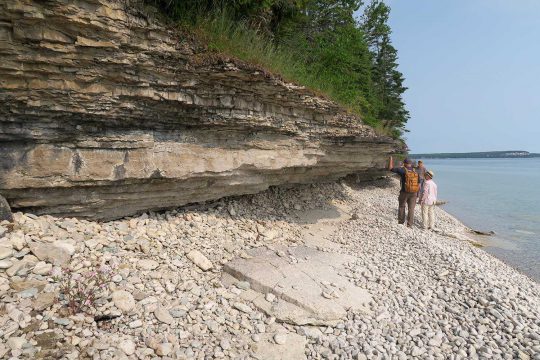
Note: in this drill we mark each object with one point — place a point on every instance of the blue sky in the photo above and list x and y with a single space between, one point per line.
473 72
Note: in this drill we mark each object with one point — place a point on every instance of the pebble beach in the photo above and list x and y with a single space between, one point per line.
434 294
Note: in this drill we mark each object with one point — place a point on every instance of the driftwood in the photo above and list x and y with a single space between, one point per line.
484 233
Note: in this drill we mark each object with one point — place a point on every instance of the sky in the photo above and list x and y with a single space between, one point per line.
473 72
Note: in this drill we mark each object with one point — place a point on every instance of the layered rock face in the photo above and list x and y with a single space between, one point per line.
106 113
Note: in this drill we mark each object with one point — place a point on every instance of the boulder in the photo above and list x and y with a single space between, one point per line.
90 127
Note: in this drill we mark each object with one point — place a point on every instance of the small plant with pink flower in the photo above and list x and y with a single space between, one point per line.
80 290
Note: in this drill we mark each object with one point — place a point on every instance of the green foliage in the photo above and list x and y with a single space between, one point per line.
315 43
387 80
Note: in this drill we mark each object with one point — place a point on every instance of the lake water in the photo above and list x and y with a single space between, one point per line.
502 195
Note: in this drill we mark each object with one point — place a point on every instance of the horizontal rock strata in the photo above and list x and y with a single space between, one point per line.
106 113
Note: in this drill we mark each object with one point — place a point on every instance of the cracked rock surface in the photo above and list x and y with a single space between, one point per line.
306 283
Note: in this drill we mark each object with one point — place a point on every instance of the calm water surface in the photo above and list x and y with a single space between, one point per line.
502 195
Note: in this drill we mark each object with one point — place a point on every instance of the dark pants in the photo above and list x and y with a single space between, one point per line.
421 191
408 199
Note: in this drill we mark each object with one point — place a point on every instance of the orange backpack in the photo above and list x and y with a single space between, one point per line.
411 181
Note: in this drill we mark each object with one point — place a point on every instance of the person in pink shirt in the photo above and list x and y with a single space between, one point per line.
428 200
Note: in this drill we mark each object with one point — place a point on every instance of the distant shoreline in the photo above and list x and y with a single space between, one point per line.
511 154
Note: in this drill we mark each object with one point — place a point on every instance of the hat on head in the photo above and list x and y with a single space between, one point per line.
407 161
430 173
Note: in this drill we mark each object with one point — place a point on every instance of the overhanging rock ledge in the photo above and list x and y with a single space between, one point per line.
105 113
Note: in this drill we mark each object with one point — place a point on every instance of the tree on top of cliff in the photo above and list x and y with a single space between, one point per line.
387 80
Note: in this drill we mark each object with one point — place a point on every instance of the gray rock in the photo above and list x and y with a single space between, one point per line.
62 321
177 313
28 293
135 324
5 210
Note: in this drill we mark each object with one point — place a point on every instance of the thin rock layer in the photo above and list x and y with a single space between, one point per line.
105 113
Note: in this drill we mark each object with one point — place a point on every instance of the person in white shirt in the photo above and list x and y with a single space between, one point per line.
428 200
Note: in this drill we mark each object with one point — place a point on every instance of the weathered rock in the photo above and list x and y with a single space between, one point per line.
299 286
49 253
123 300
200 260
280 338
127 346
5 252
43 301
164 349
163 315
5 211
147 264
243 308
18 241
42 268
267 347
105 113
15 343
20 285
5 264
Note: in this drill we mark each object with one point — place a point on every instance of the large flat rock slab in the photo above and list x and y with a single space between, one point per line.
308 285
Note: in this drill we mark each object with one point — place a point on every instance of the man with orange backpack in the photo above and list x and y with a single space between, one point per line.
410 184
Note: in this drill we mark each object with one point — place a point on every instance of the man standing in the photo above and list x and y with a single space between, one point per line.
409 189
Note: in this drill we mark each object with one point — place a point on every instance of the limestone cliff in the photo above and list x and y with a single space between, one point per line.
105 113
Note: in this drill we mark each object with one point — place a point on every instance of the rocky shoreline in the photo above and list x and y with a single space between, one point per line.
170 295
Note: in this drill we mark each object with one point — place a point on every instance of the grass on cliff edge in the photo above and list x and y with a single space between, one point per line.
236 39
